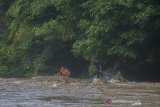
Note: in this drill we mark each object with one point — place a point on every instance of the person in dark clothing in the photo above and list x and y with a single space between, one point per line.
98 66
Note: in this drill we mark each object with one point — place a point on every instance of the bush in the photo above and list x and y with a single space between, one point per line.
3 70
92 70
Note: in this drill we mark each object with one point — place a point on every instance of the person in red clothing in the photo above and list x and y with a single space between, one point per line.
64 72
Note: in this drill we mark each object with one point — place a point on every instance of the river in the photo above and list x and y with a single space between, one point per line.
52 91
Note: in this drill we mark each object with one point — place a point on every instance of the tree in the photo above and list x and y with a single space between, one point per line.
44 32
39 30
4 5
123 32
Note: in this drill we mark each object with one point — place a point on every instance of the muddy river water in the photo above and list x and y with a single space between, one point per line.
65 92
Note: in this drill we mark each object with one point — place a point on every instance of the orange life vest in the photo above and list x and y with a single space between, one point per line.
64 72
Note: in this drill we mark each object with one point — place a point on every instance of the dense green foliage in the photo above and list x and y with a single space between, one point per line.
38 36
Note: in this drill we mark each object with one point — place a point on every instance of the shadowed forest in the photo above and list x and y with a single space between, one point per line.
37 37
